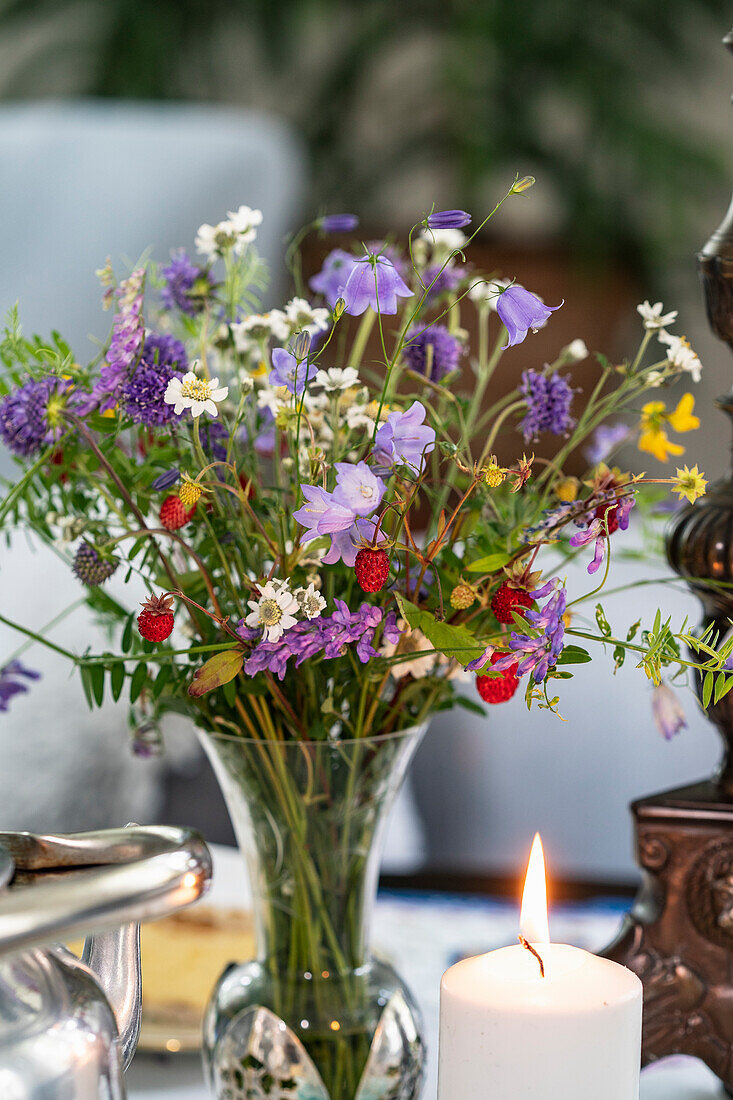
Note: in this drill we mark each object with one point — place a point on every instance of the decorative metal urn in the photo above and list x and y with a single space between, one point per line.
678 936
69 1026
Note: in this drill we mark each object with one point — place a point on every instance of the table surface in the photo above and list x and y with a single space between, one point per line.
423 934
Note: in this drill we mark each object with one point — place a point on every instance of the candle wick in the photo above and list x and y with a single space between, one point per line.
536 954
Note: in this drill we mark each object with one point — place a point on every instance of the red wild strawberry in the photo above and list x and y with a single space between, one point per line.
155 621
371 568
498 689
608 512
507 599
174 514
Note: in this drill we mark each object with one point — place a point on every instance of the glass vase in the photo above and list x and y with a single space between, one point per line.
315 1016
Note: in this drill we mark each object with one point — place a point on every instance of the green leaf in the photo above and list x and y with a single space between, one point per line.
573 655
161 679
230 692
137 682
86 683
619 655
453 641
490 564
719 688
707 689
603 624
117 680
631 632
218 670
97 681
127 633
469 704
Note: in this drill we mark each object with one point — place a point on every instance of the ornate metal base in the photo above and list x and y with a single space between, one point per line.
678 936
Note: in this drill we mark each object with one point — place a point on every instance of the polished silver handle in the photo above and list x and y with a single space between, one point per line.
102 880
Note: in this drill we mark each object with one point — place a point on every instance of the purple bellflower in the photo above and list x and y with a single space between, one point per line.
404 439
287 371
668 714
448 219
374 282
331 279
322 514
357 488
338 223
519 311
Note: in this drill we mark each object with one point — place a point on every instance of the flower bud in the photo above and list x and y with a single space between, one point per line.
523 184
301 345
448 219
338 223
339 308
164 481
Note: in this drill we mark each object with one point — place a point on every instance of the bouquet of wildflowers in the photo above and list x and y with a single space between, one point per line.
307 502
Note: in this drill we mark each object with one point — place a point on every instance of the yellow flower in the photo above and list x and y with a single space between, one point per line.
567 489
655 418
690 483
494 474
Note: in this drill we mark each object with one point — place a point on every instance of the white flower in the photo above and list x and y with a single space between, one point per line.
253 331
443 242
310 601
235 232
303 317
654 317
336 378
244 222
197 394
574 352
681 355
275 610
273 398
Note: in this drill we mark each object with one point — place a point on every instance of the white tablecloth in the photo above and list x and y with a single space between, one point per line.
423 935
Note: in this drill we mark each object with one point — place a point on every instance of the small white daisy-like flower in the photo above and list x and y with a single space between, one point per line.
259 328
654 317
273 398
338 378
681 355
311 601
214 240
303 317
275 610
197 394
244 223
575 352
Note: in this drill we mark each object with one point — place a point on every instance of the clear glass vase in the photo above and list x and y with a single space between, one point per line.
315 1016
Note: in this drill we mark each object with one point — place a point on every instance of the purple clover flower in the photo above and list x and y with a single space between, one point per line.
181 276
328 635
331 279
30 416
338 223
443 357
605 440
549 398
11 682
519 311
374 282
163 357
357 488
404 439
448 219
538 654
287 371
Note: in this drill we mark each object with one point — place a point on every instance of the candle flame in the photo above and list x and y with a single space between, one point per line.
533 922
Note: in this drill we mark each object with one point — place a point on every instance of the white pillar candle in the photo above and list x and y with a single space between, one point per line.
509 1032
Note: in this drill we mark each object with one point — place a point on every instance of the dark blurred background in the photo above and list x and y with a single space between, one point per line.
127 122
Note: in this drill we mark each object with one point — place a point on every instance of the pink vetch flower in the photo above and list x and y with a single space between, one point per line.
374 281
520 311
667 711
617 514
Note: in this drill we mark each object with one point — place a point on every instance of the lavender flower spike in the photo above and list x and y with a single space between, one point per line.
520 311
448 219
338 223
374 281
